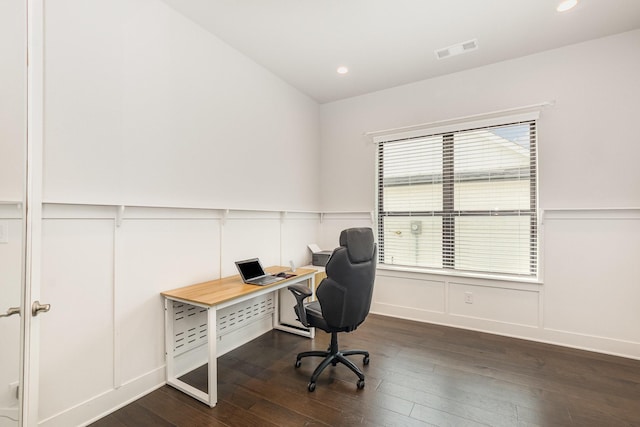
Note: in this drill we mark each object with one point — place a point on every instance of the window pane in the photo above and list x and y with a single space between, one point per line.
492 168
412 175
500 244
420 246
414 198
492 195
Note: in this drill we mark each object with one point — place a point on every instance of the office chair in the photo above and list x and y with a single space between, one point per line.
344 298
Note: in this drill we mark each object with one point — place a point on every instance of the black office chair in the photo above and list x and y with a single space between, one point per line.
344 298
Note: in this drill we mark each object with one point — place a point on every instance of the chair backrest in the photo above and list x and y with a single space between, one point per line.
345 294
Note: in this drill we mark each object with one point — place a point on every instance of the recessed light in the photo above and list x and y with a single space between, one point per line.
566 5
342 70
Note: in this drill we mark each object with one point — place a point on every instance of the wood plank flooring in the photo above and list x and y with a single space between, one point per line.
419 375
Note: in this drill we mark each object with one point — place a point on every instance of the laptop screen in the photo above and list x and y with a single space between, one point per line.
250 268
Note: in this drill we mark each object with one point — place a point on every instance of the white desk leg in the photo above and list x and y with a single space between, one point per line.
212 340
168 338
311 283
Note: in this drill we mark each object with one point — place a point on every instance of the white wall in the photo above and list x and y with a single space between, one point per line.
13 106
144 107
12 161
587 160
213 158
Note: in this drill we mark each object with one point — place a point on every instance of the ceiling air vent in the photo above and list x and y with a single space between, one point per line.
457 49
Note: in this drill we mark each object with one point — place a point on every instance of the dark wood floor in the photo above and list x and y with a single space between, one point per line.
419 374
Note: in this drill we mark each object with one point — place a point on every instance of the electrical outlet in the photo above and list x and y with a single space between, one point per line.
4 232
468 297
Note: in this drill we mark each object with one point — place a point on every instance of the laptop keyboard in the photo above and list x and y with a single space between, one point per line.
265 280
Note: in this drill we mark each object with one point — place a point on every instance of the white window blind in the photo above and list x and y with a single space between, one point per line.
461 199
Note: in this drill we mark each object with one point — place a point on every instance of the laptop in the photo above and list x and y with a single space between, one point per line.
252 273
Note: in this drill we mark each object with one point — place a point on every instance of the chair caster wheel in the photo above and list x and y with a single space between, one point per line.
365 361
298 363
360 384
311 386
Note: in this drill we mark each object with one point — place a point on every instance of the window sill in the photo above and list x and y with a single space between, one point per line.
454 273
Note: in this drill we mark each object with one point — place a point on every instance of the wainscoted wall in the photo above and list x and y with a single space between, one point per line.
104 268
10 293
332 223
490 305
587 297
592 279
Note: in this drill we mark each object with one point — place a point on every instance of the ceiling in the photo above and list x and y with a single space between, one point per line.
386 43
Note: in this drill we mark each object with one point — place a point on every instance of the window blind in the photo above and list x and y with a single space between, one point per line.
462 200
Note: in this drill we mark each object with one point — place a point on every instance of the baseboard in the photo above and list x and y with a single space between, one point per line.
99 406
613 347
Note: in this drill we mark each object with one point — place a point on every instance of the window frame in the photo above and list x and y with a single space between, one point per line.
447 129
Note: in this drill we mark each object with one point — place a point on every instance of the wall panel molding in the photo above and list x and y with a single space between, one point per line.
97 210
558 214
146 250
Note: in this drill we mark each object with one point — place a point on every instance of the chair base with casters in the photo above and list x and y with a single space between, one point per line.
334 356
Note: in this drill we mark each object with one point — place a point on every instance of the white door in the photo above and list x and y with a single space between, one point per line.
21 121
33 308
13 140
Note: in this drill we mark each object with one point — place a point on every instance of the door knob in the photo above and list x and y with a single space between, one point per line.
11 311
39 308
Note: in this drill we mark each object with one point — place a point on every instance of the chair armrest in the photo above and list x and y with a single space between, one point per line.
300 292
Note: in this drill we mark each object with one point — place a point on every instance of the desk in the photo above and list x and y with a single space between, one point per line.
206 320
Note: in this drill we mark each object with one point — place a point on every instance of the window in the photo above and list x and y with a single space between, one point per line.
462 199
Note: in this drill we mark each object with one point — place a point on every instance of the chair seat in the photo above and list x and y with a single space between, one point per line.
314 316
